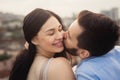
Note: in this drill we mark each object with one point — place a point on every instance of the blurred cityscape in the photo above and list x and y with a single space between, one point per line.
12 41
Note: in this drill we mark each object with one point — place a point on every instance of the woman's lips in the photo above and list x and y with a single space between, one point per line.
59 44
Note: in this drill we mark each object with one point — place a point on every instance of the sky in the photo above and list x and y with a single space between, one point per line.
63 8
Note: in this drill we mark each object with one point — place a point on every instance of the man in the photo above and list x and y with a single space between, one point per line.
92 37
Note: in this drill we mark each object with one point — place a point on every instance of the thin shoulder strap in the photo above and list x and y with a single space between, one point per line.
44 69
45 74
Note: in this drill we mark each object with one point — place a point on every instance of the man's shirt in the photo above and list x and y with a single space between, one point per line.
106 67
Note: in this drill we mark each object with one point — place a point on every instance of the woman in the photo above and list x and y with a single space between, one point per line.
43 30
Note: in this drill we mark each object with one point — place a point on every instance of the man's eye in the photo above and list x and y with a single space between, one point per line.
60 29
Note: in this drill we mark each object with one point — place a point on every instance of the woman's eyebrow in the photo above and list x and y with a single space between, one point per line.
52 29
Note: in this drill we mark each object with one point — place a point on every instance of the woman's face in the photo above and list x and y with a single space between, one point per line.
50 37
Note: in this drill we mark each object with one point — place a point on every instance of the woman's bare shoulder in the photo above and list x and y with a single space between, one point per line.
60 69
60 63
61 60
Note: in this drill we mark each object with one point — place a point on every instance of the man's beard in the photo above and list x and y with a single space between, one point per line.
72 51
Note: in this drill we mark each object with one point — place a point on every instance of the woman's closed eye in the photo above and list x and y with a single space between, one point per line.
51 33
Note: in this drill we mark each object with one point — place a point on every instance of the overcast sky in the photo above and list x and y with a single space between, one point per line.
61 7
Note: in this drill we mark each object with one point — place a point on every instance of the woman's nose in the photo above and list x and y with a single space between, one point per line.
59 35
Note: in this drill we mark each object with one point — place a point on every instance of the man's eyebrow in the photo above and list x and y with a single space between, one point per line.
69 33
60 25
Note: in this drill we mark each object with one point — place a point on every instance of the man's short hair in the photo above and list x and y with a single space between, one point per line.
100 33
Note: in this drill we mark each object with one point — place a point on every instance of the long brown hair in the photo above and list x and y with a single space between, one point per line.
31 26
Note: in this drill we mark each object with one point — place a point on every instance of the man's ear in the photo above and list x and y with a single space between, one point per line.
82 53
34 40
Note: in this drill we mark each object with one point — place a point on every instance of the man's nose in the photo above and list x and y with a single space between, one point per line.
65 34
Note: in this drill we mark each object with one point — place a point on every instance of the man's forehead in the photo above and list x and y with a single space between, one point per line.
74 23
74 28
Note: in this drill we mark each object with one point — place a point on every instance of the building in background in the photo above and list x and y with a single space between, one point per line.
113 14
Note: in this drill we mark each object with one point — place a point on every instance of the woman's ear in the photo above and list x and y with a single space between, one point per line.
34 40
82 53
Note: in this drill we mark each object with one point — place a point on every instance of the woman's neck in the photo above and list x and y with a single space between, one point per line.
44 53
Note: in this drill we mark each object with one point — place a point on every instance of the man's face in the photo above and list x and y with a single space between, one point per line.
71 37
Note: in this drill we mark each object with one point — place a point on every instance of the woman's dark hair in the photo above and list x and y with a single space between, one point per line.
31 26
100 33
